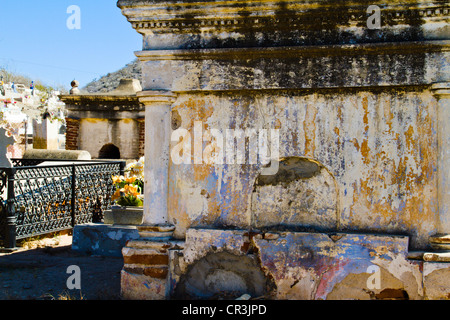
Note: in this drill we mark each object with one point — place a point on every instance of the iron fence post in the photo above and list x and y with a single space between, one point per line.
122 167
11 219
73 199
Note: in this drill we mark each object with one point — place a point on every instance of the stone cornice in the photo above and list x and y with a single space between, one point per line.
239 24
102 103
183 16
97 97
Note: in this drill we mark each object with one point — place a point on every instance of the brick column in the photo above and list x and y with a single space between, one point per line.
141 124
145 273
72 132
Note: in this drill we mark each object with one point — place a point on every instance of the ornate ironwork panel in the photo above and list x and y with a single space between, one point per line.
26 162
94 189
42 199
56 197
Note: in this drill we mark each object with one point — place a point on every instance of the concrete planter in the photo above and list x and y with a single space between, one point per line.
124 216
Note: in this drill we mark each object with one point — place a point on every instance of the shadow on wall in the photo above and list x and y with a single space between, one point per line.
303 194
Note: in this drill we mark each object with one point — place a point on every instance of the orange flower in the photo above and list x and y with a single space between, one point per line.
116 195
130 190
130 180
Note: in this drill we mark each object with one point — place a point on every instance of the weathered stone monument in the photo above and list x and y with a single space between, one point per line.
108 125
299 150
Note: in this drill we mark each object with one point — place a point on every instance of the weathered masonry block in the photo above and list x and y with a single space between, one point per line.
361 114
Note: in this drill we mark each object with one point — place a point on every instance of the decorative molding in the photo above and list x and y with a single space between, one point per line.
300 51
156 97
184 16
441 89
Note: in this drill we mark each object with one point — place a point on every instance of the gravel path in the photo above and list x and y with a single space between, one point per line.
40 273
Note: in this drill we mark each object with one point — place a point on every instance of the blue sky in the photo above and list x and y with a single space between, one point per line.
35 40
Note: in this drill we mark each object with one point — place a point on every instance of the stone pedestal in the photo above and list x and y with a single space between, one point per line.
146 264
45 135
102 239
124 216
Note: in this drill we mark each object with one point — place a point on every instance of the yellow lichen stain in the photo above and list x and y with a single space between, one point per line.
95 120
329 249
381 250
199 109
356 144
365 150
277 124
388 116
195 109
409 136
309 127
39 143
398 192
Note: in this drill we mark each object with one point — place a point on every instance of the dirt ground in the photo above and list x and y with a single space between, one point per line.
39 271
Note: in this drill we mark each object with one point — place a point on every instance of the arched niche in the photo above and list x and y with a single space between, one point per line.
303 194
109 151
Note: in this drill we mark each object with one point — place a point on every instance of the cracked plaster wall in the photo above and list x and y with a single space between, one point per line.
379 148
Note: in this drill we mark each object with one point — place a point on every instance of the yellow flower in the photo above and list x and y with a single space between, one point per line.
133 191
130 190
116 195
130 180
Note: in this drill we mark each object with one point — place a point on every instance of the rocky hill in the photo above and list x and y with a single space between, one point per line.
110 81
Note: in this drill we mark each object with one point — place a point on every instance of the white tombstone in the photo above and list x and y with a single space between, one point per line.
5 141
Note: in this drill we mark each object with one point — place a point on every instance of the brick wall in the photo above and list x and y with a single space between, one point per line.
72 131
141 136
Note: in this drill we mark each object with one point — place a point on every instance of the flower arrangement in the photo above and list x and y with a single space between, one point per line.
130 188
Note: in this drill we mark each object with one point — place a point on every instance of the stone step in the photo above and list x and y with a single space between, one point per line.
155 232
162 246
437 256
145 256
162 236
156 272
156 228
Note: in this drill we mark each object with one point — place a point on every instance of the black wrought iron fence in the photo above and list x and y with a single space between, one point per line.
41 199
